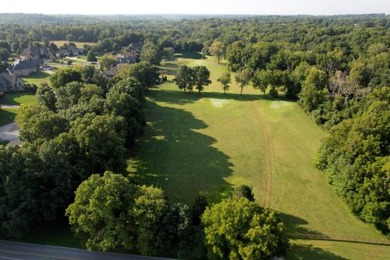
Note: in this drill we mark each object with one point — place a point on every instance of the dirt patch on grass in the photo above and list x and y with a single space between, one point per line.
279 104
218 102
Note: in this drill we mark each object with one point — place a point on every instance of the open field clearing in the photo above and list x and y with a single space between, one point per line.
212 142
78 44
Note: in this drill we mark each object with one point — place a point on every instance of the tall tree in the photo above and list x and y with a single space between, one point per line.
151 53
101 213
237 228
185 78
201 77
243 78
217 48
261 80
225 80
91 56
107 61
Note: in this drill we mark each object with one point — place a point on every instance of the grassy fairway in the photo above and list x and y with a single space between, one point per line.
212 142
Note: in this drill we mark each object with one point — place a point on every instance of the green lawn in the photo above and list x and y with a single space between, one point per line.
7 115
78 44
37 78
18 98
212 142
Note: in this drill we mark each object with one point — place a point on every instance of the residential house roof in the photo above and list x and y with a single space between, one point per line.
111 72
127 57
25 64
33 53
10 82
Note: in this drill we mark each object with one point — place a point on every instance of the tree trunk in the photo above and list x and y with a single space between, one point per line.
242 88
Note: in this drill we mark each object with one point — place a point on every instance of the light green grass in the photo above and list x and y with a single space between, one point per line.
78 44
37 79
7 115
212 142
309 249
18 98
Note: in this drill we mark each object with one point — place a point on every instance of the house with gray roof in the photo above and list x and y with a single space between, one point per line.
34 53
10 83
127 57
22 68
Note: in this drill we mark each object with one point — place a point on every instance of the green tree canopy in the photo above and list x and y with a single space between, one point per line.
243 78
225 79
107 61
237 228
201 77
62 77
217 48
91 56
151 53
102 212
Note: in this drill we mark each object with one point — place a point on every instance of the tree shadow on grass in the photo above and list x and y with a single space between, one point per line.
309 252
7 116
294 227
189 55
172 154
169 68
180 97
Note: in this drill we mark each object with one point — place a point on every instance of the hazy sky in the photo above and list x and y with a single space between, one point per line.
281 7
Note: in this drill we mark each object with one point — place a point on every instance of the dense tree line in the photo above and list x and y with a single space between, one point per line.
356 158
77 128
336 67
110 212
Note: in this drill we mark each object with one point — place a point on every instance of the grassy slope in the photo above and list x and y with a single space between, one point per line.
212 142
18 98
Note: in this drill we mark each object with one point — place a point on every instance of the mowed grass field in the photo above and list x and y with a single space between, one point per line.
78 44
212 142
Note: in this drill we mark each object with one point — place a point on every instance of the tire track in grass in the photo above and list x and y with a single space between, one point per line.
268 158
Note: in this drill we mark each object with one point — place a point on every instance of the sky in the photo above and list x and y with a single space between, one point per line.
259 7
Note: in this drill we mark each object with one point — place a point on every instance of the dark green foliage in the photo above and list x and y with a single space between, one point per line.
355 157
185 78
62 77
201 77
197 209
151 53
146 74
45 125
124 99
46 97
73 132
237 228
109 212
102 212
91 56
244 191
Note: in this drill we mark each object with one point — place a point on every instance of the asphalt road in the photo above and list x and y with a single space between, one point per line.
17 250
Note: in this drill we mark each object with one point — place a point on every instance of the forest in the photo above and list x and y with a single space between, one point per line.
84 126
